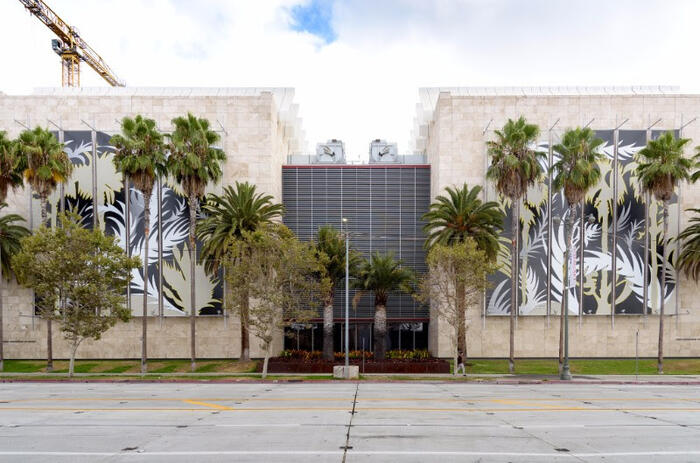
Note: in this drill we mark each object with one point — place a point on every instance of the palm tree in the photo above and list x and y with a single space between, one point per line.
140 157
382 274
47 165
459 215
576 171
11 168
661 166
330 242
514 167
239 209
194 162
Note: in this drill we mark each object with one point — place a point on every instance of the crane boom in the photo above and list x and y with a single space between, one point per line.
70 47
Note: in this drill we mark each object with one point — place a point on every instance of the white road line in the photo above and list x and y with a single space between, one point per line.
356 452
263 425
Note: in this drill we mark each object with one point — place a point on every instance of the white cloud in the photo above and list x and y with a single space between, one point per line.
364 84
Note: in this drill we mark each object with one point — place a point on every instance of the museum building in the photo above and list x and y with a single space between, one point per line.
618 243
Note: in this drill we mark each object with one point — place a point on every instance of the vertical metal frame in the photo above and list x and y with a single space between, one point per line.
62 185
127 232
615 169
95 218
678 225
581 247
613 280
159 209
550 228
486 197
647 246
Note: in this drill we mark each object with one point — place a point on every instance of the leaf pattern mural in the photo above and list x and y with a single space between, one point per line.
536 245
173 216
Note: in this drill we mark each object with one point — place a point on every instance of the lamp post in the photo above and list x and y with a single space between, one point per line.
565 373
347 299
571 267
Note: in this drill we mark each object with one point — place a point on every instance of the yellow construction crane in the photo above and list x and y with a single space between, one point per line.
70 47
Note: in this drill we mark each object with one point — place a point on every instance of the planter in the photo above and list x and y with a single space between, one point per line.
277 365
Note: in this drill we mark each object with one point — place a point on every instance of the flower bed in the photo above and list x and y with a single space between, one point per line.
396 362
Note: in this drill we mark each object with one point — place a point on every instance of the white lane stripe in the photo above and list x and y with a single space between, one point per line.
356 452
243 425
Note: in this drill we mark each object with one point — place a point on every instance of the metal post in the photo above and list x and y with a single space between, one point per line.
347 299
93 162
636 356
616 140
61 186
580 260
363 355
678 226
95 218
565 373
550 196
127 231
159 196
613 295
647 199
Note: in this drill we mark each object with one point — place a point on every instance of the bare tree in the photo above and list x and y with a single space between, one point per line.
455 271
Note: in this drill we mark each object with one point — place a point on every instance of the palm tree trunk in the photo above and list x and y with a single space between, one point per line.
2 334
245 324
515 231
461 319
569 268
660 360
147 234
193 298
328 329
44 201
379 331
49 331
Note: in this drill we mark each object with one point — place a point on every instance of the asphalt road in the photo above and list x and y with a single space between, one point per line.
418 422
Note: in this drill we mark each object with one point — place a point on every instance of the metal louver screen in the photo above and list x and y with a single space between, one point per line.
383 205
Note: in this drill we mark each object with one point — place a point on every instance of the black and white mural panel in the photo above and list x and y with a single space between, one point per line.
542 239
169 212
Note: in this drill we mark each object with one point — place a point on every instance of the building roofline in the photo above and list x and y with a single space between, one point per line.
162 91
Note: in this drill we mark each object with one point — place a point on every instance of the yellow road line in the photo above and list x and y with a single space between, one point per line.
398 409
346 399
206 404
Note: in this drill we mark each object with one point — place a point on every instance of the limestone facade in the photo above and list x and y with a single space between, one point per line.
453 129
259 128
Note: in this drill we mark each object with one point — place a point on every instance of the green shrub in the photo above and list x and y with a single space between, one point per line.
420 354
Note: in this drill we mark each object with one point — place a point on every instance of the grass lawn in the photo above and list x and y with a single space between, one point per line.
474 366
131 366
584 366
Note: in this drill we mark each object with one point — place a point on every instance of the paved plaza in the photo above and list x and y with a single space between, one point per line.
338 421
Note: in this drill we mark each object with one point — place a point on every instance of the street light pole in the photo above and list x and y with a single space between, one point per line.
569 266
347 299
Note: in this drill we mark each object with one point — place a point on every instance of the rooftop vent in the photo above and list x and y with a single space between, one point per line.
382 152
331 152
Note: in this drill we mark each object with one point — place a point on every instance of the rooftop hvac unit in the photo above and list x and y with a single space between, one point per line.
331 152
382 152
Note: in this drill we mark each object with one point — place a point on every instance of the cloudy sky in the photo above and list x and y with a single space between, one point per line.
357 64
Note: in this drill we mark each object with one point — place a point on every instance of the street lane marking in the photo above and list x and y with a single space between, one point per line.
355 452
346 399
206 404
408 409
